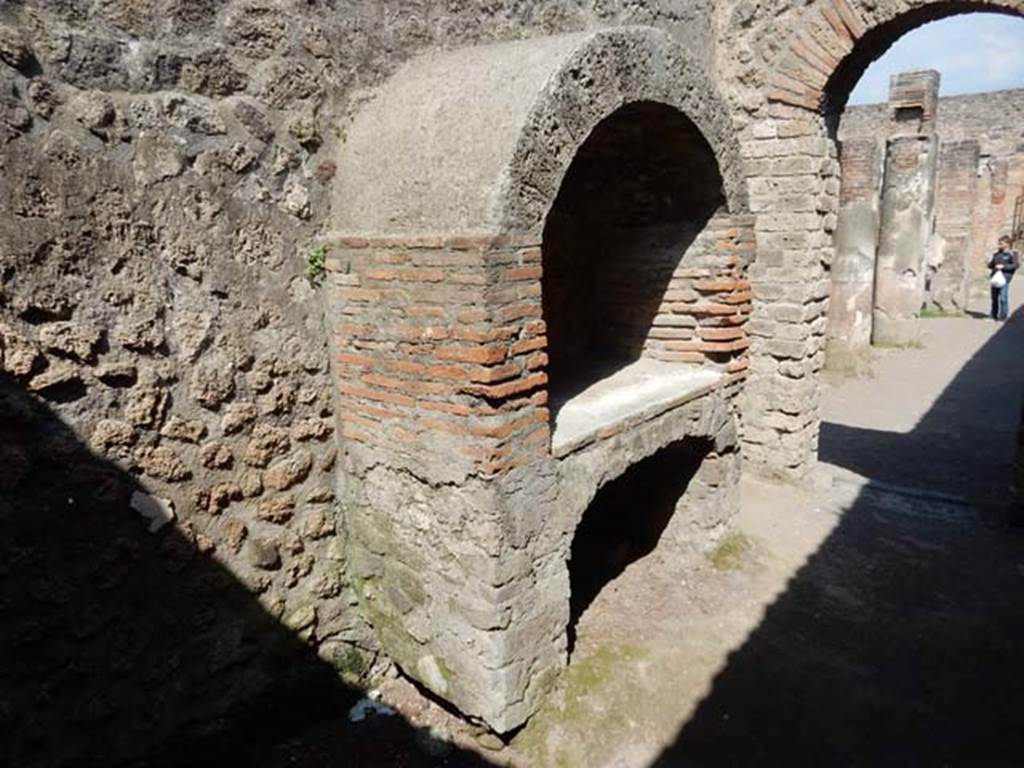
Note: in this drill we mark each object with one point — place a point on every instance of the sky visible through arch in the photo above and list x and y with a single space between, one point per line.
974 53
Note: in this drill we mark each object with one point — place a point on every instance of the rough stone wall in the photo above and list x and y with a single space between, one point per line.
162 163
159 184
993 119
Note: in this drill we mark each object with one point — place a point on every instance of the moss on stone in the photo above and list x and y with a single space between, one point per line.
571 705
351 666
931 313
729 553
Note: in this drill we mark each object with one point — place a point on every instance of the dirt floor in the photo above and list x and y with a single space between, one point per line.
872 618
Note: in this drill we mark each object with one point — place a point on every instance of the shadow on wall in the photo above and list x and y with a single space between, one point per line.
626 520
900 640
119 646
638 194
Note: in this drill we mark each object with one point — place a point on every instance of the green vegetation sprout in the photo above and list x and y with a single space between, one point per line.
316 265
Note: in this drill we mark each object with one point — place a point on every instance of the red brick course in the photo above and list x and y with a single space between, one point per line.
443 338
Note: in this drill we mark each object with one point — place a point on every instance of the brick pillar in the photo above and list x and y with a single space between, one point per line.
907 219
853 266
956 189
913 102
794 186
440 356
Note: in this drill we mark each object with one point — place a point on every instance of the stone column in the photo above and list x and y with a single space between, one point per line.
794 185
954 214
848 338
907 222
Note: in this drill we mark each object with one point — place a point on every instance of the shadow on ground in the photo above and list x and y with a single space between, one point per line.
122 647
901 640
965 443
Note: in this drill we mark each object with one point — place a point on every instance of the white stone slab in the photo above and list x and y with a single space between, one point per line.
636 393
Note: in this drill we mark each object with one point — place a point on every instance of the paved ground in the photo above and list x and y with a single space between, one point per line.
876 619
942 418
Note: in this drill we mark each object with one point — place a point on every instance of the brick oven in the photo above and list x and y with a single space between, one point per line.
540 303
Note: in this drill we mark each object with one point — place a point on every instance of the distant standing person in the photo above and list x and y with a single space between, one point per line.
1002 264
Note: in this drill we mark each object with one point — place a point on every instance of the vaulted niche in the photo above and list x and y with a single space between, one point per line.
627 220
635 516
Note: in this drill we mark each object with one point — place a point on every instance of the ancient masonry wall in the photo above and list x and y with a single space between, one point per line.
459 517
700 316
167 518
167 438
425 352
789 72
161 187
992 118
992 121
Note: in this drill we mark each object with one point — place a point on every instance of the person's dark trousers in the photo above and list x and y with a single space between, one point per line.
1001 301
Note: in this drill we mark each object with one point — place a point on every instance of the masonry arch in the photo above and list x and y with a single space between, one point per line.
836 41
795 185
477 148
477 141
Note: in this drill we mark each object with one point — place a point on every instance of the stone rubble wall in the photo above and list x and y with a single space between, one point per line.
163 176
160 181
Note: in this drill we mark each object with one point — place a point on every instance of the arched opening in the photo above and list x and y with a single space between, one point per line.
627 521
920 428
927 184
928 180
877 40
629 215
